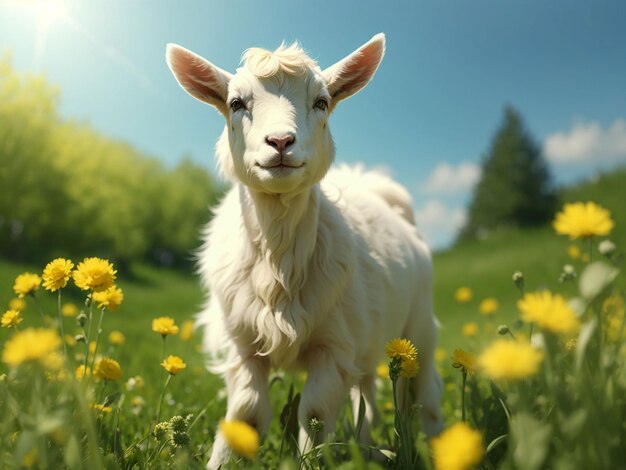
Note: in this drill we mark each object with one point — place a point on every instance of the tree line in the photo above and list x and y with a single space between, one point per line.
67 190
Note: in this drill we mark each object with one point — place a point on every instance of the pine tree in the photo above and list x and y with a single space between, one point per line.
515 188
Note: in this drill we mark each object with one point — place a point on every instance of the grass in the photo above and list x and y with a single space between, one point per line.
486 267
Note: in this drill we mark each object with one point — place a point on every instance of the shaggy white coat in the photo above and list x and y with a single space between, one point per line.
307 268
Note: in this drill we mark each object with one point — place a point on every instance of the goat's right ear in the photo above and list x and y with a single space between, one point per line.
199 77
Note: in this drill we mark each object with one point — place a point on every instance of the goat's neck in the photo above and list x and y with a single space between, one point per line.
283 231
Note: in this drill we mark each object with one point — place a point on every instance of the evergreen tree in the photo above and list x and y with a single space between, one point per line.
515 188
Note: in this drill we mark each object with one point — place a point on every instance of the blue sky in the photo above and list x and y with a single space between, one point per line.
427 116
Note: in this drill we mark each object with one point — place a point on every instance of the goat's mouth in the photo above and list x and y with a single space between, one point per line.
280 166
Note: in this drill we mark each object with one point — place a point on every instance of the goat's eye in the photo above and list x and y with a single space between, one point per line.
321 104
236 104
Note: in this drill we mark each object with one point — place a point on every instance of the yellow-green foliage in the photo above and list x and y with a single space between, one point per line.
67 189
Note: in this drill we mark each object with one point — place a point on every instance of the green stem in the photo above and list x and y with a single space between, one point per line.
61 323
39 309
530 334
464 376
88 333
167 381
164 346
97 336
590 249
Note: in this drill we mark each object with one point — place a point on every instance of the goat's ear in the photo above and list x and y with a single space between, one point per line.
199 77
349 75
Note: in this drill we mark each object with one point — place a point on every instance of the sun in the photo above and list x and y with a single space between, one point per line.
49 12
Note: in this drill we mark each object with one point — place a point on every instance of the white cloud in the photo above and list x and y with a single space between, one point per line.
452 179
439 223
587 142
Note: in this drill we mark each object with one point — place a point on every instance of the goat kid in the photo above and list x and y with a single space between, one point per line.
308 268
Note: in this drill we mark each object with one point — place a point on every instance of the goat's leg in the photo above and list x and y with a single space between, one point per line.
368 391
322 397
248 400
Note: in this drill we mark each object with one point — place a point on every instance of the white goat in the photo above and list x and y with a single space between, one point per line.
306 270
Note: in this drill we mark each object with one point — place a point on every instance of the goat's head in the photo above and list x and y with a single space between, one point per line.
276 106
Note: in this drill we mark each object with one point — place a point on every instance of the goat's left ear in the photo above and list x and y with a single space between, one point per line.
349 75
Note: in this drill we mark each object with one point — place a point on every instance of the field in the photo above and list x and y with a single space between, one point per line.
34 428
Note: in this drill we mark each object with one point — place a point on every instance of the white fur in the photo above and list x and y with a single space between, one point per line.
307 268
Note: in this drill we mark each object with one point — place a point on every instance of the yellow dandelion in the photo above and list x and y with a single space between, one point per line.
510 360
583 220
461 358
489 306
400 348
409 368
457 448
111 298
92 347
57 273
82 371
30 458
573 251
107 369
32 344
26 283
382 370
441 354
164 326
550 312
463 295
240 437
17 304
69 310
94 274
102 408
70 340
186 330
11 318
470 329
117 338
173 364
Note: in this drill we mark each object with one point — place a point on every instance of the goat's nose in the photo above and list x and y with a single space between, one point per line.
280 143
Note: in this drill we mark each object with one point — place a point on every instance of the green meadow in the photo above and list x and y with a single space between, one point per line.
122 436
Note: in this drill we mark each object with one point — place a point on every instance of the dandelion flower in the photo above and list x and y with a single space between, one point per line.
164 326
111 298
173 364
382 370
551 312
82 371
463 295
186 330
56 274
409 368
102 408
107 369
583 220
26 283
510 360
32 344
94 274
69 310
457 448
461 358
240 437
440 355
117 338
470 329
573 251
400 348
17 304
11 318
488 306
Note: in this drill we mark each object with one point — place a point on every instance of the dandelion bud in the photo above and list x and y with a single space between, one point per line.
503 330
568 273
178 424
180 439
518 280
80 338
81 319
316 425
607 248
160 430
